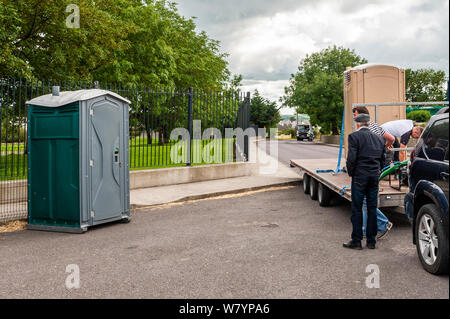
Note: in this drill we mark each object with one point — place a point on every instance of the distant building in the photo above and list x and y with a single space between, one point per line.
286 122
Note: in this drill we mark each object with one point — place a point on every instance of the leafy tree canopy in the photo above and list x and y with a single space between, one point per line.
263 112
317 87
425 85
143 42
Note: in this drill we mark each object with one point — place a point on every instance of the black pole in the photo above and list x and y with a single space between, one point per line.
448 94
190 126
247 125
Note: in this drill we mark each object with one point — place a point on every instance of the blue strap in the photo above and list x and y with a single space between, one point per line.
338 169
320 171
343 189
390 165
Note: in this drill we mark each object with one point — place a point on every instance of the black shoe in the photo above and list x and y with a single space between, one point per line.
353 245
371 246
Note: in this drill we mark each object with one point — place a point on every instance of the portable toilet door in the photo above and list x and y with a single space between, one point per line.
78 171
108 165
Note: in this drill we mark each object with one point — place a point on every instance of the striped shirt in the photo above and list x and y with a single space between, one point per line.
376 129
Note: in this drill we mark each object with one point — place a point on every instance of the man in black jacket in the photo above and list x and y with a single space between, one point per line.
364 163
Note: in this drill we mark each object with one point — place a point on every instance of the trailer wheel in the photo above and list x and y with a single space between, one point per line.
306 182
324 195
313 188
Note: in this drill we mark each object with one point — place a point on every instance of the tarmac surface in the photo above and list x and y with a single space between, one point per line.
293 149
266 244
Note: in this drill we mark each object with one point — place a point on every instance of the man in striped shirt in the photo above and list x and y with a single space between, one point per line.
383 223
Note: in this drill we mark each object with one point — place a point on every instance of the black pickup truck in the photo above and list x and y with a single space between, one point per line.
304 131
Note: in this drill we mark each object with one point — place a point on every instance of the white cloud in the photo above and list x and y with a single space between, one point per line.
268 89
267 39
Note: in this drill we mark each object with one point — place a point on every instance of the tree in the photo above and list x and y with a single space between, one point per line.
263 113
425 85
135 43
41 42
10 62
317 88
128 41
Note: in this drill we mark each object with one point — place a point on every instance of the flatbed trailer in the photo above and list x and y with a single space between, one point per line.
321 186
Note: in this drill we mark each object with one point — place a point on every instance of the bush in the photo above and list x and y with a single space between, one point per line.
293 133
288 131
420 116
13 134
317 132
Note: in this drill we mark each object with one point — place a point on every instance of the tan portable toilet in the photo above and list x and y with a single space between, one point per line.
374 83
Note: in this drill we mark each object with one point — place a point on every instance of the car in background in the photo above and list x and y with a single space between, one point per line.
305 132
426 204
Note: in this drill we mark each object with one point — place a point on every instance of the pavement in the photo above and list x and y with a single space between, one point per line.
183 192
272 173
267 178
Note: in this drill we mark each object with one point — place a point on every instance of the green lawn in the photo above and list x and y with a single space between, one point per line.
12 147
13 166
142 156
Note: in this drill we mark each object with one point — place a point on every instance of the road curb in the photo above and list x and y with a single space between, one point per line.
222 193
324 144
310 143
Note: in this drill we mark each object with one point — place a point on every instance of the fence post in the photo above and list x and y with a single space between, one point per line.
448 94
188 163
246 123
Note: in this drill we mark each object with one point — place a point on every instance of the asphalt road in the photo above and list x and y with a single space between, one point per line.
292 149
273 244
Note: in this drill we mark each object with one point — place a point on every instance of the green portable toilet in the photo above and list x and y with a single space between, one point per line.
78 170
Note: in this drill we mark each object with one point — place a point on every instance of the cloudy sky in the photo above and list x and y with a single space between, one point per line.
266 39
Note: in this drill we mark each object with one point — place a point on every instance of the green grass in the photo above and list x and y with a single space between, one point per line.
12 147
13 166
142 156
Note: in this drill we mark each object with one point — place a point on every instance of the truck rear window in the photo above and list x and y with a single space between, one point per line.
435 144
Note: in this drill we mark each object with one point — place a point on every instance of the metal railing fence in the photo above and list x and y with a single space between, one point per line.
154 113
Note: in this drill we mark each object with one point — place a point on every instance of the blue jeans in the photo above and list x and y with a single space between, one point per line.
366 186
382 220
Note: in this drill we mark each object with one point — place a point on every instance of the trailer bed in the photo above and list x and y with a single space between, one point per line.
387 196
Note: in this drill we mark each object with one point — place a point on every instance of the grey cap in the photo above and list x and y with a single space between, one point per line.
363 118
